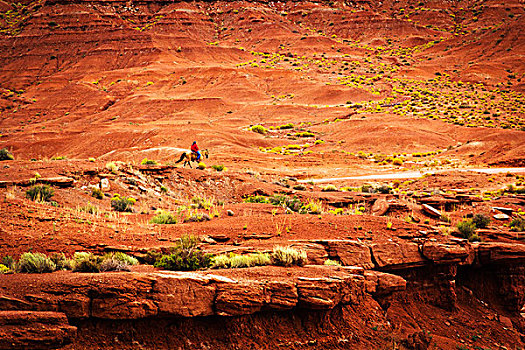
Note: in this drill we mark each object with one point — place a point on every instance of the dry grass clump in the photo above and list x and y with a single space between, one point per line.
288 256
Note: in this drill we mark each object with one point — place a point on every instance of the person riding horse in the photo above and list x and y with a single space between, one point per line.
195 149
194 156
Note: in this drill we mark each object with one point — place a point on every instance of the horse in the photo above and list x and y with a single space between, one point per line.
189 157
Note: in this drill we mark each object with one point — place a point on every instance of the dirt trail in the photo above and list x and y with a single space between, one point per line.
415 174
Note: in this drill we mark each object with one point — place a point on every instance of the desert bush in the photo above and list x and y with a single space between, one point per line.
517 225
122 204
201 166
256 199
97 193
225 261
201 203
117 261
286 126
86 262
4 269
163 217
89 208
112 264
218 167
40 193
60 261
481 220
259 129
185 256
35 263
293 204
466 228
111 166
312 207
299 187
329 188
5 154
304 134
123 257
152 256
385 189
197 217
9 262
397 161
288 256
329 262
147 161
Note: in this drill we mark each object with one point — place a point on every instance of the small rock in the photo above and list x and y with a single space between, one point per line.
501 217
506 321
104 184
447 323
230 212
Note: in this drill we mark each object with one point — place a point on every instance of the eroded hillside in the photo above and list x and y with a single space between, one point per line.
294 101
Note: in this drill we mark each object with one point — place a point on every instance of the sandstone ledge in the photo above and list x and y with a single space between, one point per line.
178 294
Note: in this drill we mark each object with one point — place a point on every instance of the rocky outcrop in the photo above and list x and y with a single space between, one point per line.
397 255
34 330
177 294
499 252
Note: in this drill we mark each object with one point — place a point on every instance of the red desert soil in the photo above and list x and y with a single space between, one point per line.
280 93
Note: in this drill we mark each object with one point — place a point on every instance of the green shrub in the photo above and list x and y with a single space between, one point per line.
259 129
9 262
397 161
466 228
312 207
123 257
147 161
286 126
5 154
111 166
111 264
201 166
218 167
97 193
201 203
288 256
163 217
233 261
122 204
384 189
117 261
89 208
256 199
35 263
329 262
152 256
40 193
517 225
86 262
329 188
481 220
293 204
61 262
185 256
304 134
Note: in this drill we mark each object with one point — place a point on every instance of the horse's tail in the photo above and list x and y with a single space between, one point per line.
181 158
